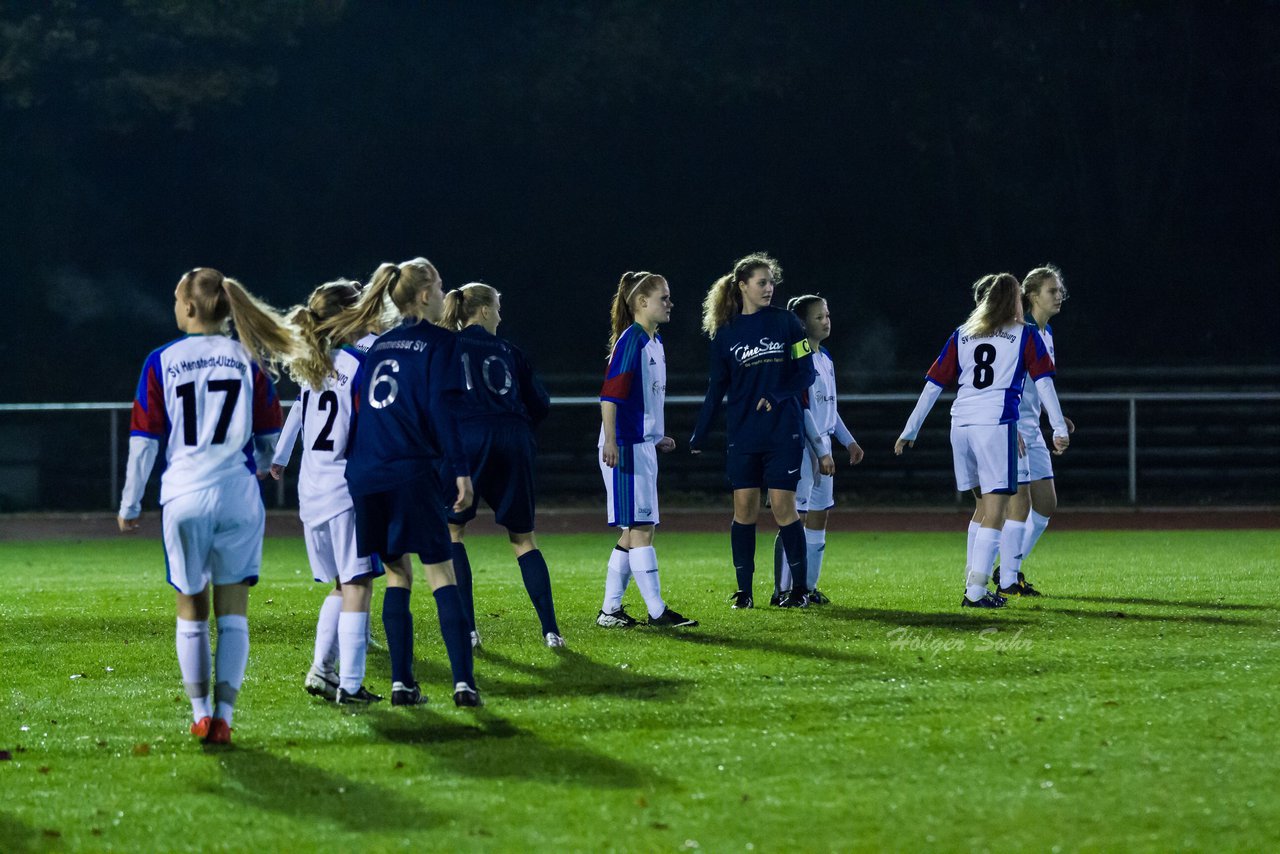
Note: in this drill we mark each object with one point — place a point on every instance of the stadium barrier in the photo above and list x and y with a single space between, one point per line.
1160 447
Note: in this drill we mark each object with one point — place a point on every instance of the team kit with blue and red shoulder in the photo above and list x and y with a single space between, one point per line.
411 419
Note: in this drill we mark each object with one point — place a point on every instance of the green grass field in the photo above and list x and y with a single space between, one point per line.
1134 709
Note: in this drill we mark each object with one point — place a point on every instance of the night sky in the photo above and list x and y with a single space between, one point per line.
887 153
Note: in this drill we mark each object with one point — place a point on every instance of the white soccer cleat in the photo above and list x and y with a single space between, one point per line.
554 640
320 683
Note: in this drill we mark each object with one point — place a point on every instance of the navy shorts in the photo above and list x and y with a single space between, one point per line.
501 460
407 519
776 468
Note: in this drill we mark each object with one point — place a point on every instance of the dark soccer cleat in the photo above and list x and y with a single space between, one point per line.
671 619
200 728
321 683
741 599
363 697
776 599
1019 588
1027 589
407 695
465 695
795 599
817 597
219 732
619 619
987 601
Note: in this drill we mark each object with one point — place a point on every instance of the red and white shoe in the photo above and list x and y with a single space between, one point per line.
219 732
200 729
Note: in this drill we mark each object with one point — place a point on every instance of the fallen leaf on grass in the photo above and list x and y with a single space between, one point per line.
142 749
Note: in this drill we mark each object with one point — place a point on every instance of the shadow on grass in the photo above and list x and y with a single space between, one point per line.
573 674
1206 619
490 746
17 835
704 638
958 619
1169 603
277 784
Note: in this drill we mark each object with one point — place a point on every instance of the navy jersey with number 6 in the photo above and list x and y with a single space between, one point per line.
765 355
404 399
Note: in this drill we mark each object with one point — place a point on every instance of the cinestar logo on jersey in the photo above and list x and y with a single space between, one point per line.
767 347
179 368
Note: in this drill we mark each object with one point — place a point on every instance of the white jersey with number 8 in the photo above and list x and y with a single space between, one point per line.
990 372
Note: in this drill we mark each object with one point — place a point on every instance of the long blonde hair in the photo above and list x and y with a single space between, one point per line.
622 314
315 322
999 304
270 339
462 304
392 289
723 301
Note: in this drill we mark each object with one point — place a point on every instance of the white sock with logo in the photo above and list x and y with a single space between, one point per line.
326 650
353 640
644 565
816 546
1010 552
616 579
974 528
985 545
1035 527
193 661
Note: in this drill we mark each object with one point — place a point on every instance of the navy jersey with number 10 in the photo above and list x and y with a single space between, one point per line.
496 379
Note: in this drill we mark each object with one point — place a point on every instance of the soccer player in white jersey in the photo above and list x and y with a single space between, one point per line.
988 357
631 434
207 398
1036 500
815 494
325 370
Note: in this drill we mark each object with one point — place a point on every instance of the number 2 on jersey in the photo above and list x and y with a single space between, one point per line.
328 401
190 418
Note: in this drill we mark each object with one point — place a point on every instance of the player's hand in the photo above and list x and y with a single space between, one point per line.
1060 444
277 471
902 443
855 453
826 465
764 404
609 453
1022 446
1071 425
128 526
666 444
466 495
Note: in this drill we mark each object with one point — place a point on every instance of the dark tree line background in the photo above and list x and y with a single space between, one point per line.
887 153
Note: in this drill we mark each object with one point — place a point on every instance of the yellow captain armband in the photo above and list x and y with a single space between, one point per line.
801 348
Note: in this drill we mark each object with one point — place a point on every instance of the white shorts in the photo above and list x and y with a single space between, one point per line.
631 487
816 491
331 548
214 535
1037 463
986 456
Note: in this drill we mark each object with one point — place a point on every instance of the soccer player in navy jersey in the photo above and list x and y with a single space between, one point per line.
988 358
404 398
760 357
501 402
207 398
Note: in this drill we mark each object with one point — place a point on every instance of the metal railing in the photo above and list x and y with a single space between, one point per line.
1129 401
